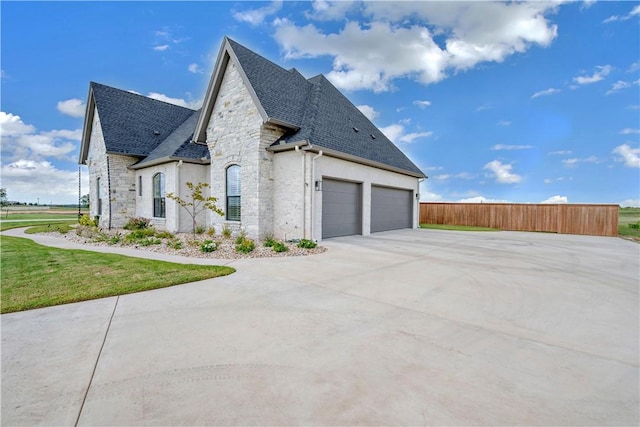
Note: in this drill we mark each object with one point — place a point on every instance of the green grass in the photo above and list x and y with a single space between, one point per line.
62 228
37 215
53 222
35 276
628 216
456 227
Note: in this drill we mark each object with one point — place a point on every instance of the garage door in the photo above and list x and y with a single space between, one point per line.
341 208
391 209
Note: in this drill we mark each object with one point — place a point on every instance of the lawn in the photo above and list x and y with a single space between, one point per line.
626 217
35 276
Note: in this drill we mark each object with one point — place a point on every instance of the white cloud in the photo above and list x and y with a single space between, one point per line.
556 200
368 111
422 104
603 71
545 92
559 179
73 107
257 16
481 199
396 133
629 131
621 84
161 48
447 177
397 40
573 162
502 172
194 105
511 147
324 10
635 11
633 67
560 152
28 180
630 203
195 69
503 123
630 156
634 107
12 125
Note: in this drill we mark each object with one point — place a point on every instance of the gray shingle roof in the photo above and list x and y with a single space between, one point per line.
177 145
324 116
134 124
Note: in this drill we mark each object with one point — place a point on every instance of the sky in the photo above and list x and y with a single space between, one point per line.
527 102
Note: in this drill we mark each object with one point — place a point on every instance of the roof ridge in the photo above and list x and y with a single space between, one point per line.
132 93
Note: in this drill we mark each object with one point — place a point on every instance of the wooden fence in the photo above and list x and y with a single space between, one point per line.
594 220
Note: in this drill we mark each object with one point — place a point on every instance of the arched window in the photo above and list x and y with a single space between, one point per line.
233 193
158 196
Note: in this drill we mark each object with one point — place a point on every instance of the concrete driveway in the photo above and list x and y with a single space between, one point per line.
402 328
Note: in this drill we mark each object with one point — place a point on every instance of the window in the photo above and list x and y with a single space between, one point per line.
99 196
140 186
158 196
233 193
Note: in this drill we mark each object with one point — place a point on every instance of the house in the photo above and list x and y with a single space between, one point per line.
285 156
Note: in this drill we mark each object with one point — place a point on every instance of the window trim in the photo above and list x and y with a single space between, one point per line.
230 214
159 203
99 195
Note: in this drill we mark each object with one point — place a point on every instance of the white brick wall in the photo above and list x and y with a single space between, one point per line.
236 135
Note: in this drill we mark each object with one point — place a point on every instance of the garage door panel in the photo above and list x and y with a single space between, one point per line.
391 209
341 208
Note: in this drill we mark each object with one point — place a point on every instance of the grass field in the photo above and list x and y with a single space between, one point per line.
626 217
35 276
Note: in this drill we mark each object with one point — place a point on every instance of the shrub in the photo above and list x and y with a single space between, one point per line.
226 232
164 235
280 247
115 239
307 244
86 221
150 241
269 241
211 231
242 235
635 226
245 246
208 246
200 229
137 235
137 224
174 243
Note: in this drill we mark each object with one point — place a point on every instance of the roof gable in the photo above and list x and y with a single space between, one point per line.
132 124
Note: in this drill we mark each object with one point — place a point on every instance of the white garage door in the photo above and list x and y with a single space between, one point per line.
391 208
341 208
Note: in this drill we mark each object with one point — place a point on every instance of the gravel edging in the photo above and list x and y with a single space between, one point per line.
190 245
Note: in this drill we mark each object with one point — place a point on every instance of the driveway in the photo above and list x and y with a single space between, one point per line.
414 327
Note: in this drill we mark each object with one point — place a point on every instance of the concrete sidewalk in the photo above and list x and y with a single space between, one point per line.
402 328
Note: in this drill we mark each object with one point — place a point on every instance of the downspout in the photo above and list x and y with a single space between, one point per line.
176 208
109 190
304 190
313 183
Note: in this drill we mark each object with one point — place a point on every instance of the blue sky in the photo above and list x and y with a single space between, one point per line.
520 102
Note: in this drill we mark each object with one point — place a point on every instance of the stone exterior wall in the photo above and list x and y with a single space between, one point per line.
236 135
117 185
289 195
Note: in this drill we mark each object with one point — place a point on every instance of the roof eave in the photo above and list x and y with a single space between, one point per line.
344 156
162 160
87 127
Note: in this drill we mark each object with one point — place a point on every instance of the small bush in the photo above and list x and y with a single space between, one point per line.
211 231
150 241
269 241
137 224
137 235
174 243
226 232
115 239
86 221
635 226
245 246
208 246
164 235
200 229
242 235
307 244
280 247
